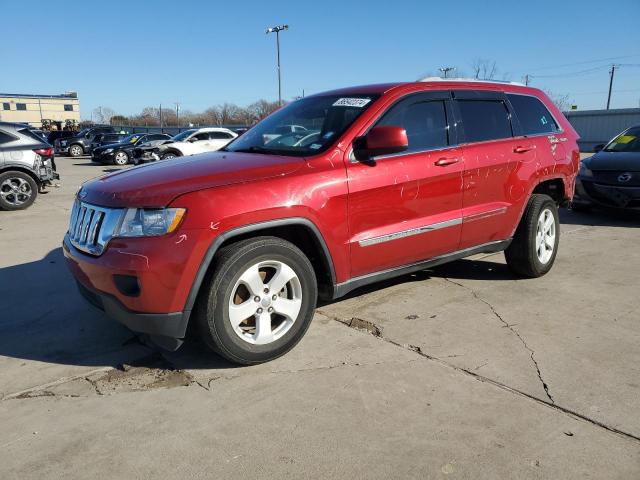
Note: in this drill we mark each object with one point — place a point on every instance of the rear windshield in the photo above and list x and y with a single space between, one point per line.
32 135
305 127
628 141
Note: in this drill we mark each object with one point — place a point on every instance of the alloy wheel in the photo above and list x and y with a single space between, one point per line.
545 236
265 302
15 191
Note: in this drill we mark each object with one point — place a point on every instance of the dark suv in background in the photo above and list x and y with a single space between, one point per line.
80 144
105 139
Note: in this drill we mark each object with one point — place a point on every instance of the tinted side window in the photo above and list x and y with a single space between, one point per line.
220 136
201 136
424 121
533 115
6 138
484 120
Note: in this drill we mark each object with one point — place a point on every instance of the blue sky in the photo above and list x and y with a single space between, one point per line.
130 54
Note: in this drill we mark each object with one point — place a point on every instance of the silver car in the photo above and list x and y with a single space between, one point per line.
26 166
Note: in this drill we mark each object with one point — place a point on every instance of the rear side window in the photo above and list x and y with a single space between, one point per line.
6 138
32 135
532 114
220 136
424 121
484 120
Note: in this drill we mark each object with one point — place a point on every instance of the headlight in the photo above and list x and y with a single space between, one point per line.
108 150
149 222
584 171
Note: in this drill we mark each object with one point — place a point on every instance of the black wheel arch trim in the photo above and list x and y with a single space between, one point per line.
18 167
255 227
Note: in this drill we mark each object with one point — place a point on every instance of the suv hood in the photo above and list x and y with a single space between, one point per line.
614 161
158 183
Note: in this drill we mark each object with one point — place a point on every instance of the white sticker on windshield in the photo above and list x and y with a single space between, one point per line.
351 102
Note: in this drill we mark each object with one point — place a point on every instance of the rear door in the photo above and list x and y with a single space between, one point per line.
404 208
490 157
217 140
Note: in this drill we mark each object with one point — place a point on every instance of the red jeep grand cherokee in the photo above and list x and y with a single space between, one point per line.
332 192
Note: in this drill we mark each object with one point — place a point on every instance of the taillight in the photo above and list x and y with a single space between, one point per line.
44 152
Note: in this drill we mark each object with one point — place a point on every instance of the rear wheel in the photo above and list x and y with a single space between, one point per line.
76 150
535 243
121 158
259 301
17 190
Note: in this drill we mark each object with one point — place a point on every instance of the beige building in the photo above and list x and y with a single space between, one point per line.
32 109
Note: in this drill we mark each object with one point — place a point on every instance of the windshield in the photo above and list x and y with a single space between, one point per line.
305 127
628 141
182 135
82 133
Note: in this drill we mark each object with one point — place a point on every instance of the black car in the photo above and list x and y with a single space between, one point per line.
59 135
106 139
79 144
122 152
611 177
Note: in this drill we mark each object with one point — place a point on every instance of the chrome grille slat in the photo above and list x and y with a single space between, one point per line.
91 227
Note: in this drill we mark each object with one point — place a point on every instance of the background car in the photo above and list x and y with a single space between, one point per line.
59 134
121 153
106 139
26 166
611 177
195 141
79 144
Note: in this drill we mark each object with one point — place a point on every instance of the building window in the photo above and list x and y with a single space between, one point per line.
21 106
6 106
68 108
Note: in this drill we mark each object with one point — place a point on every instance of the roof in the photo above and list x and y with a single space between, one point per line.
72 96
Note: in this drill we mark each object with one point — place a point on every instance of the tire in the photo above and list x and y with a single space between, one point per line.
271 259
169 155
120 158
535 243
76 150
17 190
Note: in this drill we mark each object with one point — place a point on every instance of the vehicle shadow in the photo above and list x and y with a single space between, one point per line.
45 319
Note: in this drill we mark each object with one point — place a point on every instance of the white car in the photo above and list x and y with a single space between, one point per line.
194 141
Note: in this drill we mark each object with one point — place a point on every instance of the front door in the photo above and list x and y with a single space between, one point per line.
406 207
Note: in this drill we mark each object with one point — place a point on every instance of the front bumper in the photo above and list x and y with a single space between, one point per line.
102 157
589 192
45 172
165 329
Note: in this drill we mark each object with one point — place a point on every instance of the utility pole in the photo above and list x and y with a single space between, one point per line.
178 115
446 70
277 31
161 129
611 73
526 80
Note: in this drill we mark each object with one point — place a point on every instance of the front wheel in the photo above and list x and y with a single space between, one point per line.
169 155
535 243
121 158
259 301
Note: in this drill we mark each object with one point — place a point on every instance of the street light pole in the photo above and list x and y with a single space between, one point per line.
277 31
611 74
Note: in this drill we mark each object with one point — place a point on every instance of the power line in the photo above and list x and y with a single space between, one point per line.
572 74
586 62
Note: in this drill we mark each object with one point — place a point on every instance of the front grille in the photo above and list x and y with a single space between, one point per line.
91 227
611 178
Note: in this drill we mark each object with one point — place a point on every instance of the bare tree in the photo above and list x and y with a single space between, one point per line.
103 114
484 69
562 100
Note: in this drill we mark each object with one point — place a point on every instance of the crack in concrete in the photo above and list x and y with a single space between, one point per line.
418 350
506 324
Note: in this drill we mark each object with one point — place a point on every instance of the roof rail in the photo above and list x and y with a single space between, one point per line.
461 79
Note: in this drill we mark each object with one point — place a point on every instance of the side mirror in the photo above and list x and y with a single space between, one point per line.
598 147
193 139
383 140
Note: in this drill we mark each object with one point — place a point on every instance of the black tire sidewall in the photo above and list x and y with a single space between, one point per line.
34 190
225 339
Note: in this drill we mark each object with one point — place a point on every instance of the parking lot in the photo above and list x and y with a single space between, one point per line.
462 371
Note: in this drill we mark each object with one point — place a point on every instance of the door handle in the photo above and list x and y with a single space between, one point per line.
443 162
521 149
